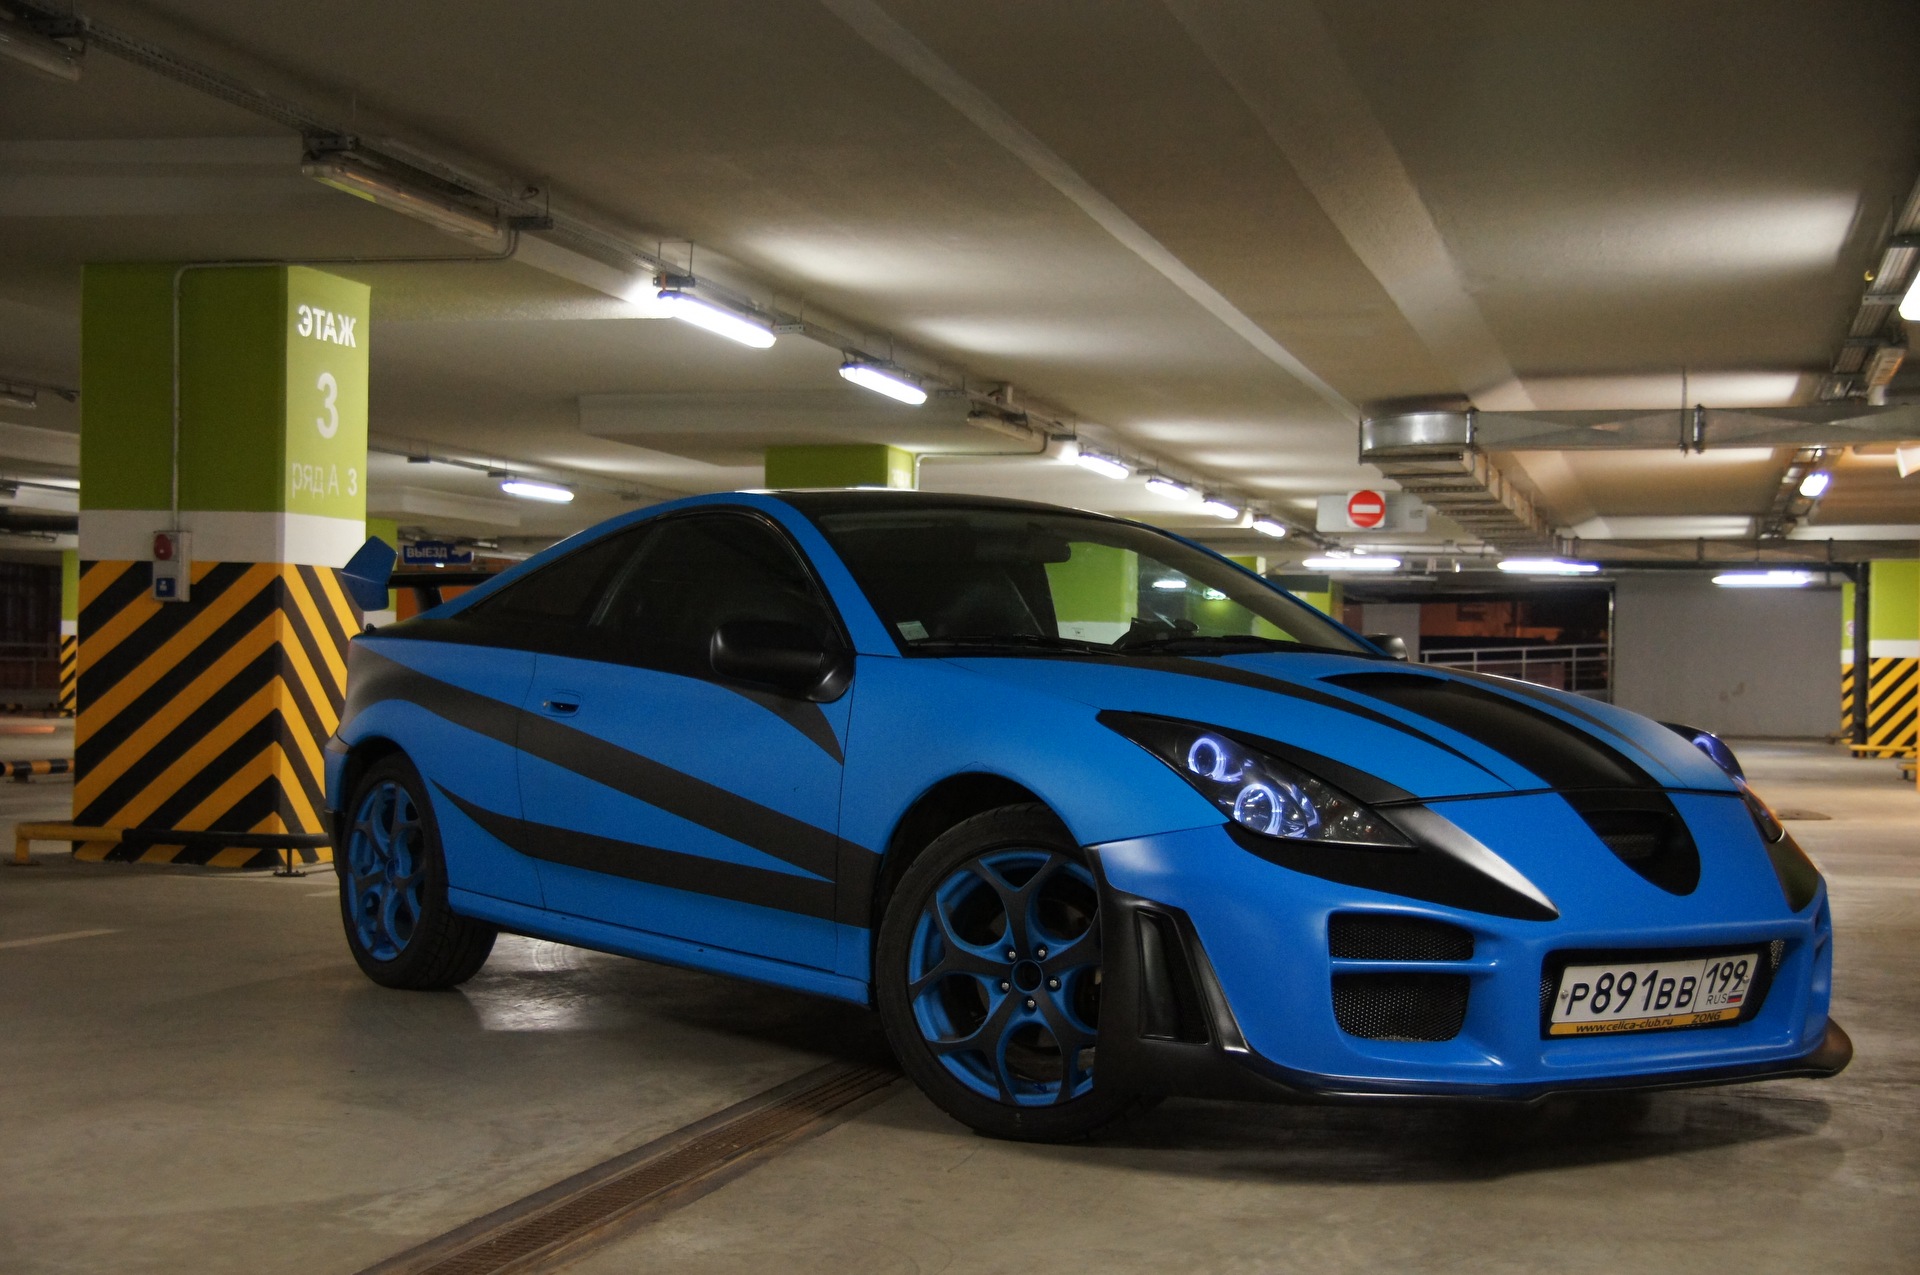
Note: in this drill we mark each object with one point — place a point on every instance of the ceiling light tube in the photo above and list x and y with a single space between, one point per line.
1269 527
884 380
1547 567
1335 565
352 175
20 399
1814 485
1910 304
1219 508
716 319
1105 466
1170 583
527 489
36 52
1161 485
1764 579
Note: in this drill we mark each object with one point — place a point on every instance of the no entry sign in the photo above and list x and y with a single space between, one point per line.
1366 509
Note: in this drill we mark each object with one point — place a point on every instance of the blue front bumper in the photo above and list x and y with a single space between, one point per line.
1261 967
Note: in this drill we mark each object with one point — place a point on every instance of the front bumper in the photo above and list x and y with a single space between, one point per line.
1217 977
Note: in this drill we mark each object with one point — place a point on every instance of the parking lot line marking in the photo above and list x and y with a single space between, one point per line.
563 1222
38 939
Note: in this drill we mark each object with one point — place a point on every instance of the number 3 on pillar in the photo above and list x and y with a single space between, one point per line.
328 425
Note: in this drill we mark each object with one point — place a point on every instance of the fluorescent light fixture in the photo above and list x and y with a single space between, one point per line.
527 489
1548 567
1170 583
36 52
1814 485
1219 508
1910 304
1764 579
716 319
1161 485
1352 564
1268 527
883 380
1105 466
352 175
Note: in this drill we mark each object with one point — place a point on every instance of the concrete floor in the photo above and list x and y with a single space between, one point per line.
211 1086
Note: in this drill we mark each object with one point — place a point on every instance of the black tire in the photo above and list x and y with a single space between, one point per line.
411 939
963 1001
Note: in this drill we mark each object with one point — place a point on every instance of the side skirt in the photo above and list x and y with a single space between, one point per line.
557 927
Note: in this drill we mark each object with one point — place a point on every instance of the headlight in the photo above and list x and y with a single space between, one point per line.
1710 744
1256 790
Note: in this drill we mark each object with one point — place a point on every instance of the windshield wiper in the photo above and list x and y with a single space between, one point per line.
1189 643
1018 641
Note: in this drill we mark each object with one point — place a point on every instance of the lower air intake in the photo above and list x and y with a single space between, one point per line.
1359 936
1400 1006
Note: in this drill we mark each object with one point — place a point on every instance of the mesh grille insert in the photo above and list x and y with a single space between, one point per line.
1359 936
1400 1006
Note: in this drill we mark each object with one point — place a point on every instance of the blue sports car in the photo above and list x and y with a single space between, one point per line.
1089 813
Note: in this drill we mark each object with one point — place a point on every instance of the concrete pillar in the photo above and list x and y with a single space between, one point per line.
209 713
69 628
843 465
1096 592
1893 660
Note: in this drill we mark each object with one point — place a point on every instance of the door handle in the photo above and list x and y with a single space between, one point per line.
561 704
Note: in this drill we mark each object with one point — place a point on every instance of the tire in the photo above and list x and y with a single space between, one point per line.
393 887
1003 1046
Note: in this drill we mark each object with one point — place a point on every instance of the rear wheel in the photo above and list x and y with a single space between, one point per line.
988 978
393 887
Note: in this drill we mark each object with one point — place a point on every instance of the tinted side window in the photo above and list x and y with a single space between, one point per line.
551 609
696 573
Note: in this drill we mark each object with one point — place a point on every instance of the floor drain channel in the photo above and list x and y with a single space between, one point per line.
562 1221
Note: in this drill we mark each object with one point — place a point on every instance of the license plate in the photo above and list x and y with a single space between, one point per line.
1639 996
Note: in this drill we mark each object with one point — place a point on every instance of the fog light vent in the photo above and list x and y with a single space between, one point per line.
1366 936
1400 1006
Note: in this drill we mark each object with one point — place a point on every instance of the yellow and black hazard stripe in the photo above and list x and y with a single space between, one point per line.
1893 704
209 714
43 766
69 672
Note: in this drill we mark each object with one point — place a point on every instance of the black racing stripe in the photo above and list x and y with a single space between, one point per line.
1525 690
803 715
1562 754
696 874
1227 673
770 831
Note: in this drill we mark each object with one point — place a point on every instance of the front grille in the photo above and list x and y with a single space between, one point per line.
1400 1006
1361 936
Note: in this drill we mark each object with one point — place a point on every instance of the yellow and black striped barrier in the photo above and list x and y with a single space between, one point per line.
145 840
1893 706
210 714
69 673
25 770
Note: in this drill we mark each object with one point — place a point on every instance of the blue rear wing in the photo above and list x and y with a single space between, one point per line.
368 572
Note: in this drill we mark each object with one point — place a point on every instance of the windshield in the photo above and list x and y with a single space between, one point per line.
1017 581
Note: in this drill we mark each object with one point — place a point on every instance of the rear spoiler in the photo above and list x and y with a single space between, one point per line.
368 572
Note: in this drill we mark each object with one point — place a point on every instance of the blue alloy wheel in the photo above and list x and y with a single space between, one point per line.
1003 976
386 859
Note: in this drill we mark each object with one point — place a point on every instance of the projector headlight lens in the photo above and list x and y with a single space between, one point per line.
1256 790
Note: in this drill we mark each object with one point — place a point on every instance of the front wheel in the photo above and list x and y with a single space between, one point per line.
988 978
393 887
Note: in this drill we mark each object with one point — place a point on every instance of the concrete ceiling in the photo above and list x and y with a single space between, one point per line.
1211 233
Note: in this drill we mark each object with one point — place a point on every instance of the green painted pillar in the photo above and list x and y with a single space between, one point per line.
1893 605
209 713
1322 593
386 529
1096 592
839 465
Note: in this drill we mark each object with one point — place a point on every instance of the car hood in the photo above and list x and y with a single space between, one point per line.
1426 731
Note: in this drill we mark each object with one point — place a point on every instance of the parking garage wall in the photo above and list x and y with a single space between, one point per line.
1744 662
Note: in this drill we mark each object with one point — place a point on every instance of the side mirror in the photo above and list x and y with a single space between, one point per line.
789 658
1392 643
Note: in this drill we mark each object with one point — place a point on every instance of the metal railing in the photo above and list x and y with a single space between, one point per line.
1582 667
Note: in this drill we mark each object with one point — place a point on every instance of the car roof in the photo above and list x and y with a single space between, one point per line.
878 500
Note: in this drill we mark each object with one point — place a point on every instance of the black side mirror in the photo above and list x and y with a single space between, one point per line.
790 658
1392 643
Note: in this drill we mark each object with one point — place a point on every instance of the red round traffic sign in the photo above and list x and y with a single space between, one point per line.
1366 509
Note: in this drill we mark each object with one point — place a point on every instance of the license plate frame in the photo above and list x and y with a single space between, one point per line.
1554 969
